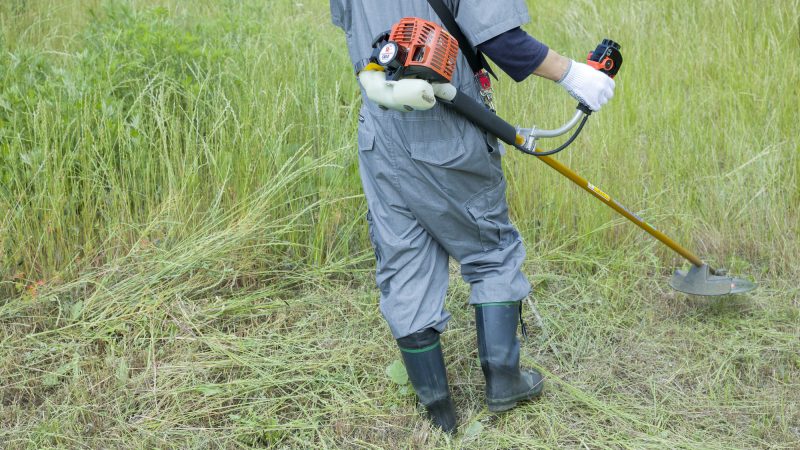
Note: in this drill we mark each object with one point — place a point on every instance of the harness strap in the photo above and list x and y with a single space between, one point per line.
476 60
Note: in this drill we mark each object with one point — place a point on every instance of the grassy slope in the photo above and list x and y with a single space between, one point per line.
184 259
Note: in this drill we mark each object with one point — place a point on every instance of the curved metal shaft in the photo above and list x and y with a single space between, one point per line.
537 133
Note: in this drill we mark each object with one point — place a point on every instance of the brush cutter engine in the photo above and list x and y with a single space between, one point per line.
416 48
409 64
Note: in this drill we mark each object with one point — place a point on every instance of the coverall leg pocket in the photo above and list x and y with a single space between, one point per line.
372 240
489 210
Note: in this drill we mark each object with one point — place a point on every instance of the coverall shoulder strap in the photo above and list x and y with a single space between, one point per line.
475 58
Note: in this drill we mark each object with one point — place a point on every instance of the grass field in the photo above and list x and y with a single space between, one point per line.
185 261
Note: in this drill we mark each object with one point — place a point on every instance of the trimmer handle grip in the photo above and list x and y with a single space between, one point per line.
606 58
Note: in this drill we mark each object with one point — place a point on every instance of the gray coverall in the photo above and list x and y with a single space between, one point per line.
433 181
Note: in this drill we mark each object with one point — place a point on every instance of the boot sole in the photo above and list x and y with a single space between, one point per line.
506 404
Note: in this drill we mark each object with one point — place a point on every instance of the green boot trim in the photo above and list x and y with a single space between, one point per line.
420 350
482 305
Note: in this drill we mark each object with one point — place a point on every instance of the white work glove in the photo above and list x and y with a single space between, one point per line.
589 86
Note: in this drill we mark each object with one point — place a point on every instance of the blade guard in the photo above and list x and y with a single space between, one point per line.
700 281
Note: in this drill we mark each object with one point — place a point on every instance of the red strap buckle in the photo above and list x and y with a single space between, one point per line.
484 80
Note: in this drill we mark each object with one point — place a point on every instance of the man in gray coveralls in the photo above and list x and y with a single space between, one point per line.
435 189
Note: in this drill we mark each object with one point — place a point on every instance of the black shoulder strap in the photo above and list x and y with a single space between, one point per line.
475 58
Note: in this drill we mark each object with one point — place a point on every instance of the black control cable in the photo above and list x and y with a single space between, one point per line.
566 144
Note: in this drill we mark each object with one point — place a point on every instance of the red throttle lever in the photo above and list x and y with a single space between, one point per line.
606 58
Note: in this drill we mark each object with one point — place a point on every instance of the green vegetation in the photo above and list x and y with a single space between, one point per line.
185 261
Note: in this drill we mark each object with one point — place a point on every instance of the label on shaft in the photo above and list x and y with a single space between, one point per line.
597 191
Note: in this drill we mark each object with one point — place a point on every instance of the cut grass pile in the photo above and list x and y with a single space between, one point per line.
185 262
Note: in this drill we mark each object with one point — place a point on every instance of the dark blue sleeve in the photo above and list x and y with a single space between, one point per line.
515 52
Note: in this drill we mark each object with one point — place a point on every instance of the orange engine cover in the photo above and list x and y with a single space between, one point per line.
432 52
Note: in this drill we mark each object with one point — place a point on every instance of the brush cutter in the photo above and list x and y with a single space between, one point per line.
424 50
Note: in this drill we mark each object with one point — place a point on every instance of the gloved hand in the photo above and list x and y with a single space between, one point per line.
589 86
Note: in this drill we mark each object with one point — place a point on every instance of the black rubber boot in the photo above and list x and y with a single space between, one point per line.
498 348
422 355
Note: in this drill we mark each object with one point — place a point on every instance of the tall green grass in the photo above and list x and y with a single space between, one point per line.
184 261
161 116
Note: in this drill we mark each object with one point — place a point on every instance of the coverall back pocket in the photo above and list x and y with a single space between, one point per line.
432 137
437 152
